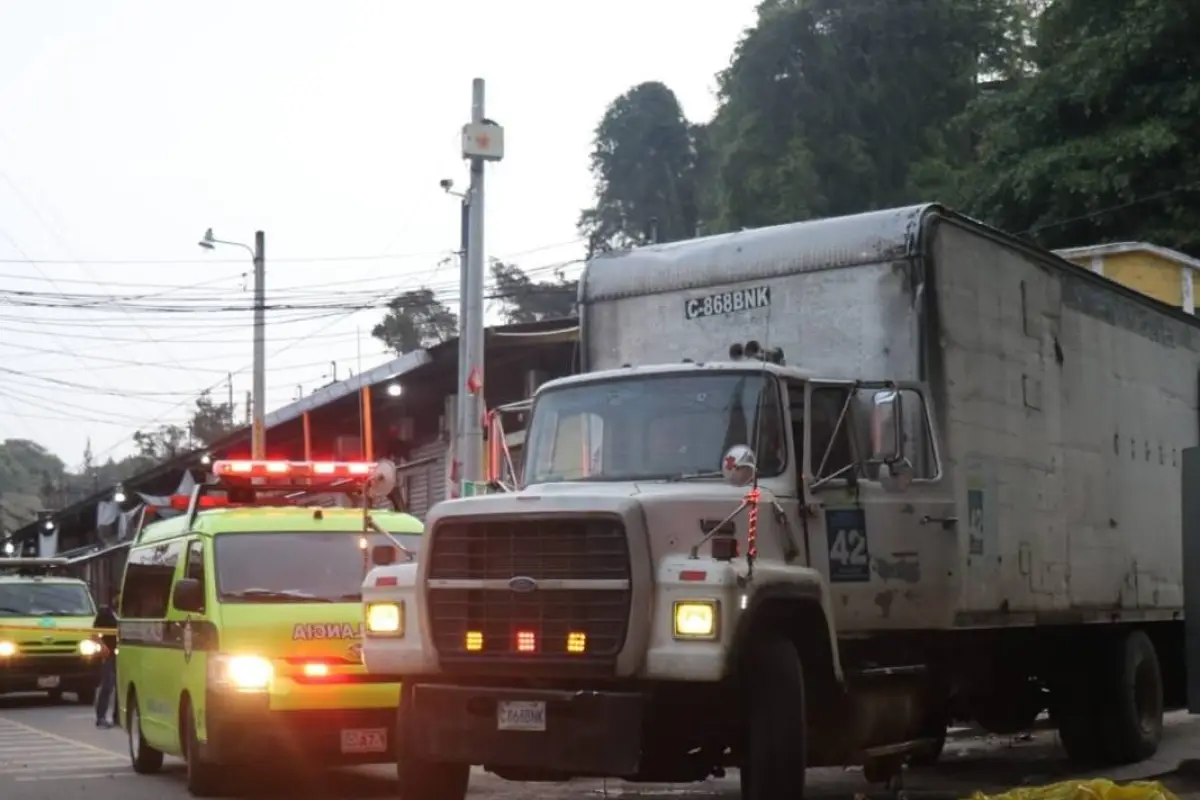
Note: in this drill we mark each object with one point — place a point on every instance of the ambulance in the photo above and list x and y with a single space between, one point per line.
46 639
241 619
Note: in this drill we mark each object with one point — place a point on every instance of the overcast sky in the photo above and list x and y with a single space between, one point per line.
127 128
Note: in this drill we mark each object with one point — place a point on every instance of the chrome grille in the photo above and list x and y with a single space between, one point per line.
474 562
54 647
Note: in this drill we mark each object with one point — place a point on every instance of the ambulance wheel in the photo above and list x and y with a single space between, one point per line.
144 758
203 777
55 695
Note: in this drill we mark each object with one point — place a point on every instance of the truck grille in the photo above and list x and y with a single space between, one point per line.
479 615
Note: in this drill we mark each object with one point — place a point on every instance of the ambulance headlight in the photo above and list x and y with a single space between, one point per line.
7 649
89 647
244 673
695 619
385 619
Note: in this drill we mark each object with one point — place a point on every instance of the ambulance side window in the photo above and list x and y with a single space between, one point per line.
149 575
195 564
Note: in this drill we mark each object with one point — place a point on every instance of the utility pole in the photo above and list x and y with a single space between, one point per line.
258 440
483 140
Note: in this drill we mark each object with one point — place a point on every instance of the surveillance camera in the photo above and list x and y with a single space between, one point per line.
446 184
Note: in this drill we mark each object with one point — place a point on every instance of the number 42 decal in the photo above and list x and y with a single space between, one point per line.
849 548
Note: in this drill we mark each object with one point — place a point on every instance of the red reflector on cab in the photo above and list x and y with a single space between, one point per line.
693 575
526 642
386 580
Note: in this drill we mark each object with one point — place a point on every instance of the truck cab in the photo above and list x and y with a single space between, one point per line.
686 537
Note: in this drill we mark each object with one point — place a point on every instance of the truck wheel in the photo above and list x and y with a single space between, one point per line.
774 754
203 777
1132 717
86 697
419 779
1111 713
145 759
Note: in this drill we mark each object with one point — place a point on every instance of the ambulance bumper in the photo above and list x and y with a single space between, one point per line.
48 673
241 729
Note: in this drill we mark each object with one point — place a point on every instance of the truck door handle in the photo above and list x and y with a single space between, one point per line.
946 522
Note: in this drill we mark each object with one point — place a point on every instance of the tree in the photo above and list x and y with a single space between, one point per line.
829 107
643 162
161 443
527 300
210 421
1102 141
414 320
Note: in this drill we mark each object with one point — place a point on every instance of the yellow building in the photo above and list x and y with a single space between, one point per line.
1162 273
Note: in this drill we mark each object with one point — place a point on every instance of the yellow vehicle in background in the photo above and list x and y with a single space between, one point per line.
46 644
240 625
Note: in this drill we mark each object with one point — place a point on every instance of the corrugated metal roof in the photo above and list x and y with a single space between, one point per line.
870 238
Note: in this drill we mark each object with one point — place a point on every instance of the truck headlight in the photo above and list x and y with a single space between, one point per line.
385 619
243 673
696 619
7 649
89 647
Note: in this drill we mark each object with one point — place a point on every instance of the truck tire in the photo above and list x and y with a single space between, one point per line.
1132 719
773 761
1110 711
417 778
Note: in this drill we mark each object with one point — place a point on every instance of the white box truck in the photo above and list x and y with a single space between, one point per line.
822 488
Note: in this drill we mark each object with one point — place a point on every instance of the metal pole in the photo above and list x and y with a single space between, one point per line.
258 441
473 326
460 409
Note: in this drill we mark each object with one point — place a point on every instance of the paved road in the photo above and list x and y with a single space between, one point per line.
53 752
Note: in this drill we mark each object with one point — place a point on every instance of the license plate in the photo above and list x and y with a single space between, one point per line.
48 682
364 740
521 715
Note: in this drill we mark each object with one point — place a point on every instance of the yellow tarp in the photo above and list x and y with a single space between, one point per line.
1095 789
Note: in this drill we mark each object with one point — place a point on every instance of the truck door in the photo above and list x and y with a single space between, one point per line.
890 556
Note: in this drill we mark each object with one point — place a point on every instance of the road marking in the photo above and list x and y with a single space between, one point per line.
64 739
29 754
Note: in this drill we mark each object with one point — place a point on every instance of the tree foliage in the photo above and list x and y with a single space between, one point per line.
414 320
1102 141
526 300
644 165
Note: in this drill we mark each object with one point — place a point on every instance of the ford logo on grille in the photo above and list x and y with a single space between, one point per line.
522 584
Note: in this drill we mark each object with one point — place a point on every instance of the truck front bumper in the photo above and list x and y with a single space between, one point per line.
41 673
585 732
242 729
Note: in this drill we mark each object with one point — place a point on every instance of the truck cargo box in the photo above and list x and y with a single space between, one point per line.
1061 399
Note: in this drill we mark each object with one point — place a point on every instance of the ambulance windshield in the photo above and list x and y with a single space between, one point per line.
654 427
296 567
31 599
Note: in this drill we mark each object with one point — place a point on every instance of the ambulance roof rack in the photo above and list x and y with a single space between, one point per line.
287 482
31 567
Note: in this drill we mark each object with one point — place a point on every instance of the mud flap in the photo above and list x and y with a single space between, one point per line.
1190 489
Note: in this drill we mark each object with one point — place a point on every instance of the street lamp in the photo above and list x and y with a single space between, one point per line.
258 435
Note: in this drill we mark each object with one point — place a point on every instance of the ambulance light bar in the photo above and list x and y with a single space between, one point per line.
286 471
31 566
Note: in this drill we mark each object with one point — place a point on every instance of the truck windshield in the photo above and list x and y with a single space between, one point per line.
295 567
653 427
46 600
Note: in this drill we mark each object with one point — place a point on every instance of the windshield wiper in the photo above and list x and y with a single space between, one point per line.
693 476
276 594
10 610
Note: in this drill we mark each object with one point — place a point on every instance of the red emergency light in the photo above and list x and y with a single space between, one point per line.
288 471
181 502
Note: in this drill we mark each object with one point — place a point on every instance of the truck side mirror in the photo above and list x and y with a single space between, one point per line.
188 595
887 443
383 555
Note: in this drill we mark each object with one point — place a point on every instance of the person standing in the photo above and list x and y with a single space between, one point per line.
106 692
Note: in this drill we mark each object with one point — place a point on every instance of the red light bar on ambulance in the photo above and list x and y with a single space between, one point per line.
291 470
